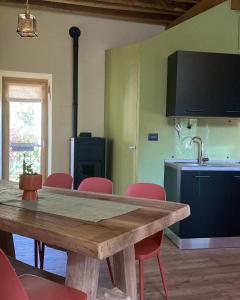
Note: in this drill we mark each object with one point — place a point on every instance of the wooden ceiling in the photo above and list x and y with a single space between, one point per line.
162 12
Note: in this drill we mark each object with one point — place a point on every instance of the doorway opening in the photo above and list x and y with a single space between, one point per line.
25 126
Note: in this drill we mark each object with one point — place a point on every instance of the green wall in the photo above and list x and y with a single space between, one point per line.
121 114
215 30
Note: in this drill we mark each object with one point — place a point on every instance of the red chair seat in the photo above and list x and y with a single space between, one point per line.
29 287
41 289
146 249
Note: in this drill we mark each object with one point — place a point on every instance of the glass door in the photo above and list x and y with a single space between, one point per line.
24 126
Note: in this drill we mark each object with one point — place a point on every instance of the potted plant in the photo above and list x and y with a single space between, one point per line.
29 182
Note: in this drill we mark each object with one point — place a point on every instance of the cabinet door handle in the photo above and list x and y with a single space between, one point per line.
232 111
202 176
195 110
132 147
236 176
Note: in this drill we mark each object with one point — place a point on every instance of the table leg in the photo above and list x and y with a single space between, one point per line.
125 272
6 243
82 274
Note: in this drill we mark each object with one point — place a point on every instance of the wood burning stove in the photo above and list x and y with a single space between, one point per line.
87 153
87 158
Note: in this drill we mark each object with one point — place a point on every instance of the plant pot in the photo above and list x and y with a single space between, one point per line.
30 184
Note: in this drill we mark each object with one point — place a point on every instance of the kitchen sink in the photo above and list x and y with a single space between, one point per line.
207 166
213 164
193 164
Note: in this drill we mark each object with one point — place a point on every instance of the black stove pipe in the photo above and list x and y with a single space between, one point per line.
75 33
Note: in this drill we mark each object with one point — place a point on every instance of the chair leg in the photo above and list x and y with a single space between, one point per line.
141 280
36 253
110 271
41 255
160 263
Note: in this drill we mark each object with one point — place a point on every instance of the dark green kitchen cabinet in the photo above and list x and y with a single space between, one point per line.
202 84
213 197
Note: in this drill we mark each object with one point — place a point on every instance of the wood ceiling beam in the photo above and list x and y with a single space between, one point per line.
161 12
176 7
133 4
197 9
186 1
235 4
122 5
155 17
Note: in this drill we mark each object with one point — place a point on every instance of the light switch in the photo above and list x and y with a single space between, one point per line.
153 136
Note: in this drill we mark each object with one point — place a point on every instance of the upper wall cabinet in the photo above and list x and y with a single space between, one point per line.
203 84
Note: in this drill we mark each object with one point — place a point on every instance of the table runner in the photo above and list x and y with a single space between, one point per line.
86 209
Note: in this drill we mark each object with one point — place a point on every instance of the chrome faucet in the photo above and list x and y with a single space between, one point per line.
199 142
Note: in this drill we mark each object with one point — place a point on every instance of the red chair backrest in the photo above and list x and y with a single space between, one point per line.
96 185
10 285
148 191
59 180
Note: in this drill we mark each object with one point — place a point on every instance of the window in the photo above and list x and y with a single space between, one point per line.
25 125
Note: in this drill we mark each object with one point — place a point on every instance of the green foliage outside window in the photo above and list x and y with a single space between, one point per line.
24 130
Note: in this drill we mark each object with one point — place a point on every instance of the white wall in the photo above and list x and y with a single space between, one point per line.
51 53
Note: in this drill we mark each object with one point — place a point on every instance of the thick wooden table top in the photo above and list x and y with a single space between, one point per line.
101 239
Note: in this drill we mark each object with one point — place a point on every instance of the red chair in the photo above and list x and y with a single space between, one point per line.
150 246
98 185
59 180
55 180
29 287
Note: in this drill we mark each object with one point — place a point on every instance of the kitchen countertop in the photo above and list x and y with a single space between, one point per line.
212 165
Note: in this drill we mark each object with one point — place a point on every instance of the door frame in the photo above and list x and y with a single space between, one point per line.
5 122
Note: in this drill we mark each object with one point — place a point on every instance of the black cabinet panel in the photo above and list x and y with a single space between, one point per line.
172 187
234 202
214 200
203 84
207 194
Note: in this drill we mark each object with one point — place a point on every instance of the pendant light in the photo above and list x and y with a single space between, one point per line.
27 26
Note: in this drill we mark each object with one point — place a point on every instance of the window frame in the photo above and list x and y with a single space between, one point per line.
5 122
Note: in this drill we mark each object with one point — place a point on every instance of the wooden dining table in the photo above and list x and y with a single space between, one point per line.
88 242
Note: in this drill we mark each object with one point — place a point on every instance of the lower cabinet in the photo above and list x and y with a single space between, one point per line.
214 200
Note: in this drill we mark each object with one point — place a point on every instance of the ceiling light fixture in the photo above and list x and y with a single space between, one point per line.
27 26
